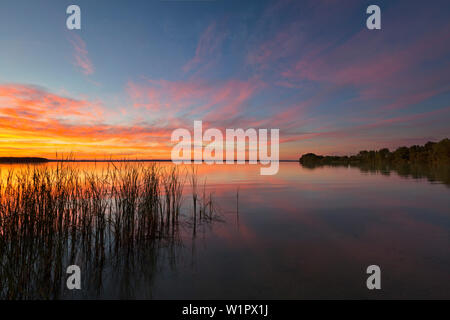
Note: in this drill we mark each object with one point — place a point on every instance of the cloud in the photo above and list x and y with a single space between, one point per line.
208 48
81 57
209 101
309 68
34 121
32 102
341 86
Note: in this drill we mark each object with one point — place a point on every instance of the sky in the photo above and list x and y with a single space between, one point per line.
138 70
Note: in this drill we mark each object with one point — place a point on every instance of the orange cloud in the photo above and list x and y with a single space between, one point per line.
31 102
35 122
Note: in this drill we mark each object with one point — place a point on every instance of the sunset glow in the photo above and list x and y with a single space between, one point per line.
310 68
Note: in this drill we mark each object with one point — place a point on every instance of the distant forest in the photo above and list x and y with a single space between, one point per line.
22 160
430 161
432 153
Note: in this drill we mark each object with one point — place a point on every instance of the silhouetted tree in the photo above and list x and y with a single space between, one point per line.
430 153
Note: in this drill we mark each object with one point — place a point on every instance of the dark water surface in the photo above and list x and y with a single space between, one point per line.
303 233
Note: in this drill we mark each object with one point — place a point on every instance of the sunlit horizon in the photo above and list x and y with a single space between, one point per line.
118 88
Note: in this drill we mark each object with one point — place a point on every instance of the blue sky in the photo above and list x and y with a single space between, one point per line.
139 69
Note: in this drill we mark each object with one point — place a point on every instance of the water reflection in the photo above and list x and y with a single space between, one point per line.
432 173
123 218
304 233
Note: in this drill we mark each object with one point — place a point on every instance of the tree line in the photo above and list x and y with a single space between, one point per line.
432 153
22 160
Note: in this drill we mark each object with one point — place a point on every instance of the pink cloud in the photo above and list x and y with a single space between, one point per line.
208 48
356 132
361 62
198 99
81 55
34 102
283 44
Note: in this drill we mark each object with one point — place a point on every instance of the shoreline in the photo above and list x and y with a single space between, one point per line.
12 160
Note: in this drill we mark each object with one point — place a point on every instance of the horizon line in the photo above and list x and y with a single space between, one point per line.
42 159
156 160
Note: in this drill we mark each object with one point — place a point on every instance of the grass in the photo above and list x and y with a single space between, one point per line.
53 217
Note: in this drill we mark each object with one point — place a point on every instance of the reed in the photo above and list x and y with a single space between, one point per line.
53 217
204 201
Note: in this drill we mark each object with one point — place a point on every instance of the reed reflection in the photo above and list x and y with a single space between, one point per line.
115 223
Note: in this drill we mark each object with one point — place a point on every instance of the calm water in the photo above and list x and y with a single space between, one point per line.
303 233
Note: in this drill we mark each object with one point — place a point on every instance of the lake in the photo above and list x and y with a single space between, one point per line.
304 233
